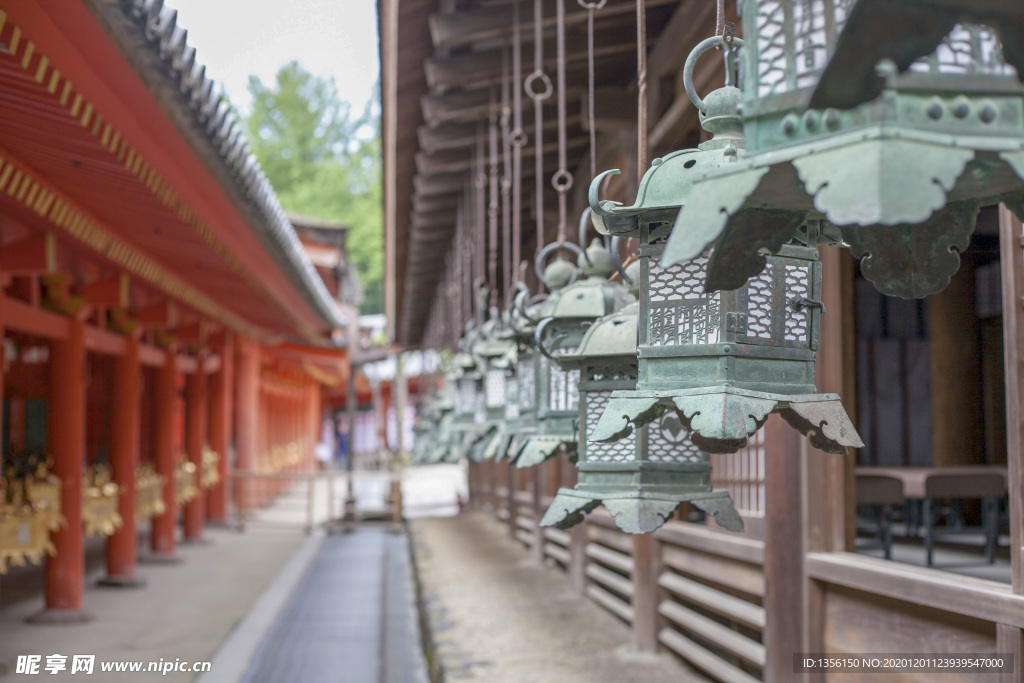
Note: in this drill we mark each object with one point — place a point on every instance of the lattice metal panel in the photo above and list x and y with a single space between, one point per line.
466 399
793 45
623 450
680 312
479 414
780 303
495 390
798 285
512 404
669 441
526 376
564 388
761 302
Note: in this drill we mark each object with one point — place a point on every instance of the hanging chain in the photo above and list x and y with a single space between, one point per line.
538 96
562 179
720 18
492 205
506 176
641 88
479 219
591 8
517 139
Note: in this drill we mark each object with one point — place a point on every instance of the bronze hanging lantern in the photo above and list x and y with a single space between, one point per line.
491 349
902 176
721 360
642 478
566 312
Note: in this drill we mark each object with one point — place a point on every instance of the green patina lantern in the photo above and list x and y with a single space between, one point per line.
491 350
902 176
722 360
442 439
527 314
642 478
468 413
566 312
520 364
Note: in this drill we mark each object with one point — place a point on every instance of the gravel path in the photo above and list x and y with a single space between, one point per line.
496 615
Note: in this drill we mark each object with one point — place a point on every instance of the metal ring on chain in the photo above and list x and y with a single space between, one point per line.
591 5
691 63
547 251
517 137
545 81
562 180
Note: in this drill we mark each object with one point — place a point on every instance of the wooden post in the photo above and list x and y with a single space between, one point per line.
784 603
578 558
220 429
246 415
1011 241
125 414
646 567
537 489
163 540
958 424
65 572
510 501
195 439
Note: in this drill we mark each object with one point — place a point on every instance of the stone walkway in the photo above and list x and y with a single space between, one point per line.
352 617
497 615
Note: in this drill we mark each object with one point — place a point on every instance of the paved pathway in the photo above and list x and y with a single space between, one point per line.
351 619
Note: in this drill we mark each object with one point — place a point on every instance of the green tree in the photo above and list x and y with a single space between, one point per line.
324 162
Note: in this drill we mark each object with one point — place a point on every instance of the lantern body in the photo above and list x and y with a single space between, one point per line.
721 360
492 351
902 176
642 478
566 312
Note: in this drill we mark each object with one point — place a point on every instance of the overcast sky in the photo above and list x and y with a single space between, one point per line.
236 38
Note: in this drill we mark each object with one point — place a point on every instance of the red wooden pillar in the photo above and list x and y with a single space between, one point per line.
65 572
163 540
220 429
124 459
195 439
247 388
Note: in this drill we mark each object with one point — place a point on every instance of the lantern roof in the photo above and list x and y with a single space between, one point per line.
613 336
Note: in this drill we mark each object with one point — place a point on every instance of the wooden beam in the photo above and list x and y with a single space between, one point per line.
455 161
453 29
989 600
429 186
194 333
29 256
20 316
159 316
111 293
482 69
106 343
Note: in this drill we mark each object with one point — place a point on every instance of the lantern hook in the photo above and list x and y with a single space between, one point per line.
547 251
691 63
538 337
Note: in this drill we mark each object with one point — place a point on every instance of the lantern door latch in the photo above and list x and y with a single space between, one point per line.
802 303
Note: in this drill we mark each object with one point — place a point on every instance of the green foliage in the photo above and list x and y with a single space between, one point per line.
324 162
